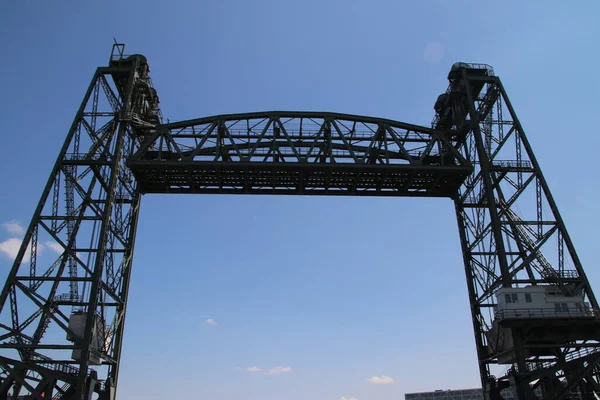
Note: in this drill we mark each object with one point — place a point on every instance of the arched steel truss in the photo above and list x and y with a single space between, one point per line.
305 153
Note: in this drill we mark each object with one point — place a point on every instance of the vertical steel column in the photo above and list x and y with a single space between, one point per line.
475 311
116 164
113 376
486 176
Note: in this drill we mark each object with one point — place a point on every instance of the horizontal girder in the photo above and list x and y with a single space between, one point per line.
291 152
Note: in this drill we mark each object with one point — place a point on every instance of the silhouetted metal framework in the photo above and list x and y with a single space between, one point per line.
62 311
299 153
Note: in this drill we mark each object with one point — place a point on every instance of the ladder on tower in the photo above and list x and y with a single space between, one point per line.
543 266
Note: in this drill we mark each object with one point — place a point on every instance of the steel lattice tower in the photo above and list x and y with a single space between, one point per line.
62 320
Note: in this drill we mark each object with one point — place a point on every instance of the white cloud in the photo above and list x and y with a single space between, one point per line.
10 248
253 369
278 370
348 398
14 228
211 321
54 246
380 380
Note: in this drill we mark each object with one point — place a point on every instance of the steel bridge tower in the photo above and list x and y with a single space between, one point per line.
535 317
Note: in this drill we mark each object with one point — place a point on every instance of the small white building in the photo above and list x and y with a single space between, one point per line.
541 301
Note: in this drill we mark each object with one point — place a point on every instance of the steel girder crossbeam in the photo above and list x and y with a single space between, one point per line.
300 153
513 235
85 223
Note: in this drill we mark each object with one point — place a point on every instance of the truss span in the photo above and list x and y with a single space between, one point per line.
291 152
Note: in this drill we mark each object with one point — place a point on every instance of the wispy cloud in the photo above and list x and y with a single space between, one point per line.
54 246
10 248
278 370
348 398
253 369
380 380
211 321
14 228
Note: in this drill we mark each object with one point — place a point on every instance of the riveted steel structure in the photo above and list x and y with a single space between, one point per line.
62 318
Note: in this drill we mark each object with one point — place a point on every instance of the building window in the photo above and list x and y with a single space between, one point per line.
515 298
565 307
528 297
507 298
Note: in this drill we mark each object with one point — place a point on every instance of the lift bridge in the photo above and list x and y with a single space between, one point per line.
535 317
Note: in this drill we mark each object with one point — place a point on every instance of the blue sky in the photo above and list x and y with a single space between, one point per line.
333 290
